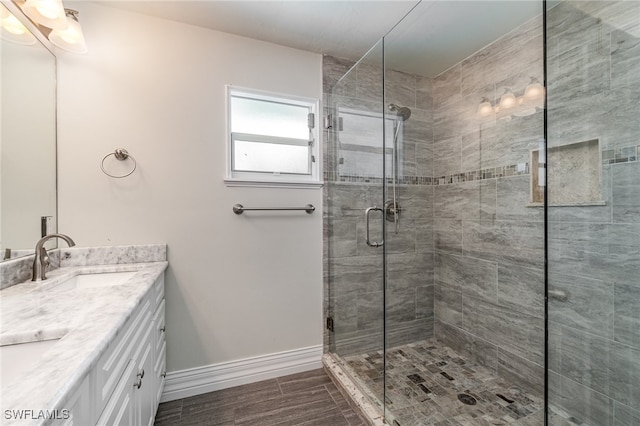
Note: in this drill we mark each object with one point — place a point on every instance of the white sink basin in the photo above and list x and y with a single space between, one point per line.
99 280
19 358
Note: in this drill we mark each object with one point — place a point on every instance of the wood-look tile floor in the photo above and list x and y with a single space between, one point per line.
308 398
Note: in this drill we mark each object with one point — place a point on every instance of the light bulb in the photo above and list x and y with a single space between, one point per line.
508 100
49 13
534 90
12 25
485 108
70 38
14 31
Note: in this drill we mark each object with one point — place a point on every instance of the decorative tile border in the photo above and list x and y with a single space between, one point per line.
610 156
483 174
621 155
490 173
402 180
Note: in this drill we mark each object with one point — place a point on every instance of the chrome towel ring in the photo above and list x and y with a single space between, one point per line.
120 154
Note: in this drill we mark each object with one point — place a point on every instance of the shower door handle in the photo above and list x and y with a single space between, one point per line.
367 213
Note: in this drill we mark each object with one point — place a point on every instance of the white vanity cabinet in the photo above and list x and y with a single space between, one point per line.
160 349
158 369
78 407
133 400
124 387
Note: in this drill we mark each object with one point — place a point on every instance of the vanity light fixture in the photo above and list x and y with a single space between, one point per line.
13 30
71 37
510 105
48 13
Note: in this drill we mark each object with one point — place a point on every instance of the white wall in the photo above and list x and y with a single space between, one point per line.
237 286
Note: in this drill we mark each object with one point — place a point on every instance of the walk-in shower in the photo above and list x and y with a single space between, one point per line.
508 292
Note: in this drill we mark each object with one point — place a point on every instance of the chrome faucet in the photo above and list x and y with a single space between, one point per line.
41 260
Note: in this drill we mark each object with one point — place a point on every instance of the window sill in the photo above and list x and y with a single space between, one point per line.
273 184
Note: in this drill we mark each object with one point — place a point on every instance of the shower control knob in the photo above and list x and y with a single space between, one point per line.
391 210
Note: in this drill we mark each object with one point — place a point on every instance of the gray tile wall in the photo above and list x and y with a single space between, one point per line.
489 246
476 250
594 252
355 296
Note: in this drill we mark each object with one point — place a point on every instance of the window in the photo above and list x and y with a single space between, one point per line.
272 139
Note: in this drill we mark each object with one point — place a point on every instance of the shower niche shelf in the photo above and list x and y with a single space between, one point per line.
574 178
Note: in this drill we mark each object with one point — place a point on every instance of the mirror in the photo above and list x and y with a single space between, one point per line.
28 139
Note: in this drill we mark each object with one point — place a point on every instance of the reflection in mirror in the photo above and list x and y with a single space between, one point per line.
28 139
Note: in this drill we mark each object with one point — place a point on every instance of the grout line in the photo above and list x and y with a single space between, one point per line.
279 387
336 402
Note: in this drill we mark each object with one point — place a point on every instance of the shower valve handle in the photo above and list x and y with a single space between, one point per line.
367 214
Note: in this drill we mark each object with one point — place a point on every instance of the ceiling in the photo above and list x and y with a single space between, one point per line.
435 36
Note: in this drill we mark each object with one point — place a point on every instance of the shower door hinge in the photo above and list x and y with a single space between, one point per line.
328 121
330 323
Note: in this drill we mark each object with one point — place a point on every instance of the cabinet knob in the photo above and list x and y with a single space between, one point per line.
138 384
163 329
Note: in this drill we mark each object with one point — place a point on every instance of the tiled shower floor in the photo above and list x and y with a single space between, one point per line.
424 380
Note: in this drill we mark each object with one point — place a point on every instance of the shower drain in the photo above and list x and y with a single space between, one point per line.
466 399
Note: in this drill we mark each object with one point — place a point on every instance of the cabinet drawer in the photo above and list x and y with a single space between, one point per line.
113 362
159 324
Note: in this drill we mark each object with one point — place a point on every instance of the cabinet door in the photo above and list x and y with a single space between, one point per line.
158 319
145 395
120 408
77 409
111 364
160 371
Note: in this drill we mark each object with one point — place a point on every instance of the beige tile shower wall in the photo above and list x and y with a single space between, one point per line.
489 277
594 252
353 271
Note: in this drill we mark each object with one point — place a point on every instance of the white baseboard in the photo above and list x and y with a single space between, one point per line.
195 381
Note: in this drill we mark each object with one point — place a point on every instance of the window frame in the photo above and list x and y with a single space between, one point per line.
270 179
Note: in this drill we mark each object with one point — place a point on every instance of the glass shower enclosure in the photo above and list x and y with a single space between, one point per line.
483 215
593 198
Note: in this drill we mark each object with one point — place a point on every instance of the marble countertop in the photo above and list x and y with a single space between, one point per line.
86 319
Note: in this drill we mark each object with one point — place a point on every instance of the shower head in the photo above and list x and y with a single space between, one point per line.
403 112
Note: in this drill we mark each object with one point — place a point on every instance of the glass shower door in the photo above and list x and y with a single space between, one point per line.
593 191
355 171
